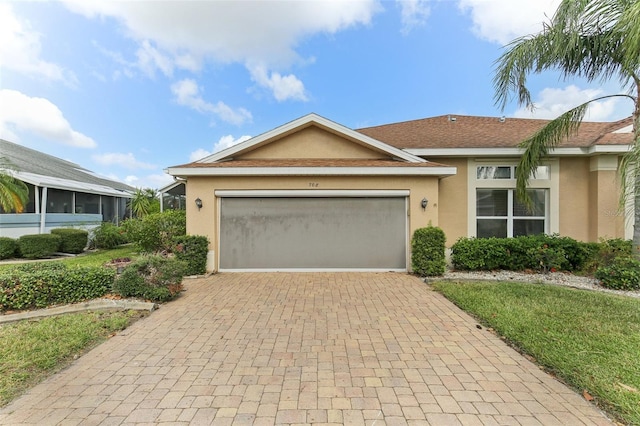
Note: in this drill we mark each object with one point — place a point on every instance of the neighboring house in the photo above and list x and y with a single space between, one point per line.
315 195
61 194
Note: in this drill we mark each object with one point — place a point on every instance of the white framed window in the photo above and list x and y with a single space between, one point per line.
500 214
509 172
493 208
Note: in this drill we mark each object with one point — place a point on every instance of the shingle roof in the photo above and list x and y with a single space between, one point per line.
31 163
487 132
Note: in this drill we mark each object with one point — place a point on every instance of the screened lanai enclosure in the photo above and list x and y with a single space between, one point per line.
61 194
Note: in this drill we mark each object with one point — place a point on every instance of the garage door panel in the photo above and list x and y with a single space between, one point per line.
313 233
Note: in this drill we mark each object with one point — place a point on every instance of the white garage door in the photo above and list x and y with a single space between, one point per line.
313 233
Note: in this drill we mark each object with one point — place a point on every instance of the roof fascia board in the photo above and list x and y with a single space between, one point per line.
69 185
510 152
303 121
313 171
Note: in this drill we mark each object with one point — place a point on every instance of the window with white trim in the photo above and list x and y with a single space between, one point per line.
500 214
509 172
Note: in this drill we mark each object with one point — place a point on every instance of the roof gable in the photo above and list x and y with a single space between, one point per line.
293 133
313 142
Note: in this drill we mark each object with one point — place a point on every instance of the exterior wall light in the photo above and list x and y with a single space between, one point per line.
424 203
199 203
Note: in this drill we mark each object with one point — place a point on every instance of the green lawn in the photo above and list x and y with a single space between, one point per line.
32 350
588 339
92 258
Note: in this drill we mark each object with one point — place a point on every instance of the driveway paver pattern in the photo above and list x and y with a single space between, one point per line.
304 348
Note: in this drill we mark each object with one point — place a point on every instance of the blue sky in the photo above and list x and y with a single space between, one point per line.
129 88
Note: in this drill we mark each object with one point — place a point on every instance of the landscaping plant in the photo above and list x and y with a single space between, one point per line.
154 278
73 240
193 250
427 251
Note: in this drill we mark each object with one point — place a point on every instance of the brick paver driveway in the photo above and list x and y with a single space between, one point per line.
343 348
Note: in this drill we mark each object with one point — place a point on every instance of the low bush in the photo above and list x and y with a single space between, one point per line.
155 278
40 285
605 252
107 236
536 252
39 246
193 250
8 248
155 232
427 251
480 254
622 274
73 241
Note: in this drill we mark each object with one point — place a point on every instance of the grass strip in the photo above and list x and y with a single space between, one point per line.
590 340
32 350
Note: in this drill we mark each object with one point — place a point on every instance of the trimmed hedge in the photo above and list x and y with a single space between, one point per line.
8 248
155 278
40 285
39 246
193 250
73 240
535 252
427 251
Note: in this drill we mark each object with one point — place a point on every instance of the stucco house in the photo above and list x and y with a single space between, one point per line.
61 194
315 195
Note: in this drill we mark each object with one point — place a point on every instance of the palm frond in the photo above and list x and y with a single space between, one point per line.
540 143
583 39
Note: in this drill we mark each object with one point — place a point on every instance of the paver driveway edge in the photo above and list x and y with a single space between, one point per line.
304 348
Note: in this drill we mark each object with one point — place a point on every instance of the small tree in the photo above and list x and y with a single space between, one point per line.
144 202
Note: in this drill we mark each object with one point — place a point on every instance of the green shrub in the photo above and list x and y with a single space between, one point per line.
537 252
154 278
622 274
39 246
427 251
547 258
193 250
8 248
605 252
39 285
155 232
107 236
484 254
73 240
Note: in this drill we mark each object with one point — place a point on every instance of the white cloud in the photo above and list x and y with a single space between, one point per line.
283 87
127 161
20 49
39 116
155 181
223 143
150 59
501 21
189 33
187 93
552 102
414 13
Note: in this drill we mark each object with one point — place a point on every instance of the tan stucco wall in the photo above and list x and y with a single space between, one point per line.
312 142
205 220
588 206
452 208
607 221
575 198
